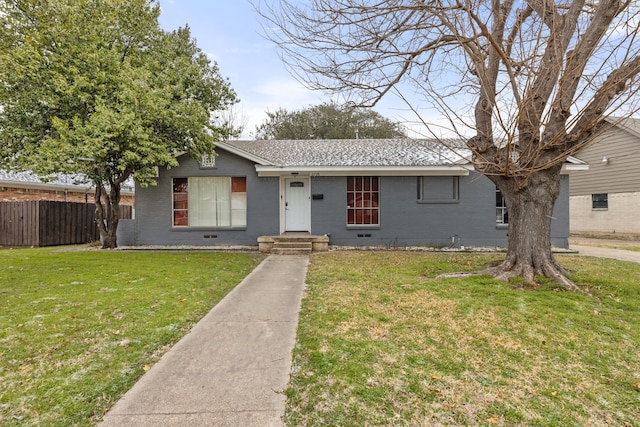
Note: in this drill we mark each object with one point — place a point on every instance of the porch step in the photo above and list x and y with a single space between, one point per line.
292 248
293 245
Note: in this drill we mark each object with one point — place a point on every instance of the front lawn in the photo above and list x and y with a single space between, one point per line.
381 342
77 328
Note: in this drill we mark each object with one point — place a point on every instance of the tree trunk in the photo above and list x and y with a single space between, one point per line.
530 212
108 214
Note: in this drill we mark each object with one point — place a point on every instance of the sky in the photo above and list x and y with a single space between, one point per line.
230 33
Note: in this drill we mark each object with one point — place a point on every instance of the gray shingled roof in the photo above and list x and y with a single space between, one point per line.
353 152
62 180
31 178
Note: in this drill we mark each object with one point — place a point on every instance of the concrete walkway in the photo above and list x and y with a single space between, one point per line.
232 368
592 247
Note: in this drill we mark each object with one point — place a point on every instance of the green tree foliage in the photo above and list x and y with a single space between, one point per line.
96 88
327 121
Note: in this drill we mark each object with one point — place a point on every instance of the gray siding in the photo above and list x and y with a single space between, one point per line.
154 210
620 174
404 221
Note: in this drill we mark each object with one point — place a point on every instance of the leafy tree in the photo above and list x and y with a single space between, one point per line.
531 81
327 121
96 88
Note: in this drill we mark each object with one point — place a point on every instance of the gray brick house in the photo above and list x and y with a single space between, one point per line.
393 193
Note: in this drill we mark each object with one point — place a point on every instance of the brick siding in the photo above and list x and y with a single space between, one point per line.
12 194
621 217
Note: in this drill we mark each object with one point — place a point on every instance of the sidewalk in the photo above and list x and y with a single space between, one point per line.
232 368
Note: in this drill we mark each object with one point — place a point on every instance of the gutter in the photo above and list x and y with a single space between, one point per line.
453 170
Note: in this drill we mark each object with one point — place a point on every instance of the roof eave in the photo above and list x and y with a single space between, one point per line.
234 150
242 153
448 170
624 125
568 168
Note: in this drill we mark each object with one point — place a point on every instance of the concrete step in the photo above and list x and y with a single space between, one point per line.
293 244
299 247
293 239
284 245
291 251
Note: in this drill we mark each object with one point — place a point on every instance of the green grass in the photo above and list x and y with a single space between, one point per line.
77 328
381 342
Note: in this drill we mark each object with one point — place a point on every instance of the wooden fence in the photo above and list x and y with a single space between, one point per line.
49 223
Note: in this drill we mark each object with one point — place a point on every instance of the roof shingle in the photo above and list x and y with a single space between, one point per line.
354 152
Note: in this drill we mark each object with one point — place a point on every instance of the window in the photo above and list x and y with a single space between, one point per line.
600 201
210 202
438 189
502 216
180 202
363 200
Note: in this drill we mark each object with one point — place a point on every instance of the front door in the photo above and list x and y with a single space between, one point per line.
296 204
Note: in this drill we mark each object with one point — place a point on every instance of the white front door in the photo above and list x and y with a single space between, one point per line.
296 204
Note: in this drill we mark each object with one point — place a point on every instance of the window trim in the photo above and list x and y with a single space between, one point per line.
355 209
209 227
454 199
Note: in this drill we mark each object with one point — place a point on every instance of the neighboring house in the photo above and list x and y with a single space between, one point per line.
393 193
605 200
24 186
57 212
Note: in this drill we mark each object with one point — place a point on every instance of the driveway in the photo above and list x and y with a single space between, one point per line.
594 248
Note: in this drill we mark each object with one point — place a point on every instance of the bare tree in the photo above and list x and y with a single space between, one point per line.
537 79
233 121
